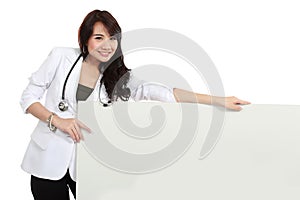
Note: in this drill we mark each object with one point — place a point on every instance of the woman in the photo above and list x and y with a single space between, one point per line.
50 156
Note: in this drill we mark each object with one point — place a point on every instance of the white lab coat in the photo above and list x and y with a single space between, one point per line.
50 154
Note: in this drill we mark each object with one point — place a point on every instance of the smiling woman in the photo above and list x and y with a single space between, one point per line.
101 47
50 156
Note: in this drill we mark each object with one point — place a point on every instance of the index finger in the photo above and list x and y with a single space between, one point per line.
242 102
82 125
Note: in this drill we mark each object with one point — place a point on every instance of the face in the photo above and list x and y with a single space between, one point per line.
101 45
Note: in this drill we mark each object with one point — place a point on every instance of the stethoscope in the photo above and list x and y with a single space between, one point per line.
63 104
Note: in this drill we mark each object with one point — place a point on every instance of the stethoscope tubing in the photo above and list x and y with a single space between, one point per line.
66 80
63 105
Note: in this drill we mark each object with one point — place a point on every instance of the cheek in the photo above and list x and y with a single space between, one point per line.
115 45
91 46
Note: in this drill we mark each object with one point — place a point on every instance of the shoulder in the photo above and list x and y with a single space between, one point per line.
134 81
65 51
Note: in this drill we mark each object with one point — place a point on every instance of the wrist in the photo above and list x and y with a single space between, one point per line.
218 101
49 120
55 120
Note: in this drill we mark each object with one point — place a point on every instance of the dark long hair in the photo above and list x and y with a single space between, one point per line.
116 74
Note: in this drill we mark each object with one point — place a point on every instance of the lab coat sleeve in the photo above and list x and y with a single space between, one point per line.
142 90
40 80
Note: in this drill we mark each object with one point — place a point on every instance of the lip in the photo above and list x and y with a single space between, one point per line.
104 54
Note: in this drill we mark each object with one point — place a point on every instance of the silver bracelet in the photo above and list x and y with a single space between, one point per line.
49 121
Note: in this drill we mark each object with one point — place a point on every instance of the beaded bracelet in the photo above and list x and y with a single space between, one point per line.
49 121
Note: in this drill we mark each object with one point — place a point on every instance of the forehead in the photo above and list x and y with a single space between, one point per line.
99 28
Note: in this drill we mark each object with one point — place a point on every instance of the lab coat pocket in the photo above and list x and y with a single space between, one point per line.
42 135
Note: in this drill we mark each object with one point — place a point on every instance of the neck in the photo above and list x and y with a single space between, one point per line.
92 62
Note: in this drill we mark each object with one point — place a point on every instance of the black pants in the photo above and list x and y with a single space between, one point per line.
44 189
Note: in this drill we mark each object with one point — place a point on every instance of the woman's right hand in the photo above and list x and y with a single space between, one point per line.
70 126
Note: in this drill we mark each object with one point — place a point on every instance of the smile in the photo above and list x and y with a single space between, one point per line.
104 54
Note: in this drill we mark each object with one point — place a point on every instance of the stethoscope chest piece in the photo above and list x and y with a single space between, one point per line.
63 105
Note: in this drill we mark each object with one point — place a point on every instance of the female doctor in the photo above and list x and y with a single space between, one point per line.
96 72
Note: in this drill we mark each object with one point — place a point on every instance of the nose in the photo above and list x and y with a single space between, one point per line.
106 45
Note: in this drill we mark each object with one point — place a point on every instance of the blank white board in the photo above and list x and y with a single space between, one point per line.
255 155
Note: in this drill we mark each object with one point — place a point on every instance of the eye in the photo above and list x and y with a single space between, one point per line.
113 38
98 38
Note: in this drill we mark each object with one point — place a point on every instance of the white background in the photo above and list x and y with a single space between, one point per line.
255 46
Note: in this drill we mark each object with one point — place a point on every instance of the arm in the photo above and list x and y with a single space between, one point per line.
39 83
142 90
232 102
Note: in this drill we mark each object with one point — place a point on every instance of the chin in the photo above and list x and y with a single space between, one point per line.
105 59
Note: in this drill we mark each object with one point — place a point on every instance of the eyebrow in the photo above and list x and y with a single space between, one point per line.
102 35
98 34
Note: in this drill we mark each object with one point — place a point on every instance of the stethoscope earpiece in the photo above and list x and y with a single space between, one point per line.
105 104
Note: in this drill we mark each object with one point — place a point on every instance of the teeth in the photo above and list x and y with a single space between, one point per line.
104 53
